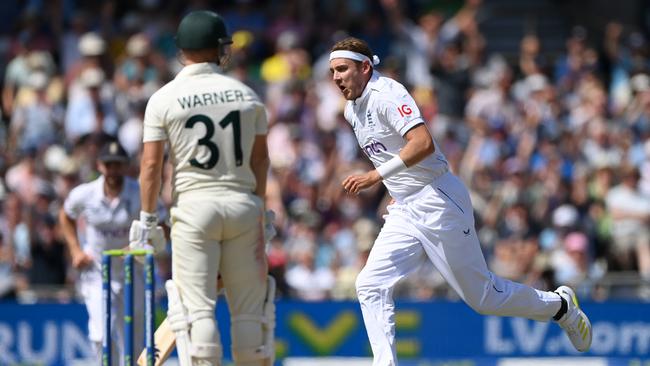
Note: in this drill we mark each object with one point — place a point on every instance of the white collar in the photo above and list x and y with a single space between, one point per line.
200 68
374 78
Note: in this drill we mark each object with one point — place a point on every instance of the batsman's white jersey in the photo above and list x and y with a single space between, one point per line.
210 121
431 220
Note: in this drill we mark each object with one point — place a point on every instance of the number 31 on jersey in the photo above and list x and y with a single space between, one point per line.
232 117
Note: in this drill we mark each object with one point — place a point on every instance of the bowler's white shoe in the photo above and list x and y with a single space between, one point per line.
574 322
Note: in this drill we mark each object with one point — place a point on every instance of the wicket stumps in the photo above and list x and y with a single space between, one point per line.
128 304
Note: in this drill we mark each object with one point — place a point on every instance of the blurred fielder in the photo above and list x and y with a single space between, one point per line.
216 129
107 207
432 217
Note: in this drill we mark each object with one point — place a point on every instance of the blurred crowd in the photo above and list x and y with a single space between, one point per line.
555 147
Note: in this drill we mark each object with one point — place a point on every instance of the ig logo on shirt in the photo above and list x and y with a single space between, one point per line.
404 110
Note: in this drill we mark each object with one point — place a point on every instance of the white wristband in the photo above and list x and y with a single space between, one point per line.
148 219
391 167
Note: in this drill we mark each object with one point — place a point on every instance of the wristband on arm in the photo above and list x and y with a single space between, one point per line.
149 220
391 167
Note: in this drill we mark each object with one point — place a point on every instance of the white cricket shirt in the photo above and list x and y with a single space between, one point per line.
107 222
380 118
210 121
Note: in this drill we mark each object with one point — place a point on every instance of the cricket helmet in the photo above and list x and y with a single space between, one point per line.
202 29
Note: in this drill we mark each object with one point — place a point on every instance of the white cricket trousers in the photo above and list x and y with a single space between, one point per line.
437 224
220 233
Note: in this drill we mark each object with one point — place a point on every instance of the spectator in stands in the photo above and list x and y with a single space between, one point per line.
630 212
69 40
92 49
23 177
36 123
7 276
451 80
308 282
14 226
138 76
91 109
644 169
28 59
417 42
48 265
572 263
290 62
636 113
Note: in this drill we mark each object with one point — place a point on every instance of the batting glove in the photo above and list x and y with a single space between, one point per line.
146 234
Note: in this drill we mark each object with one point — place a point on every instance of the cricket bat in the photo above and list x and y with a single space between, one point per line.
164 343
165 340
